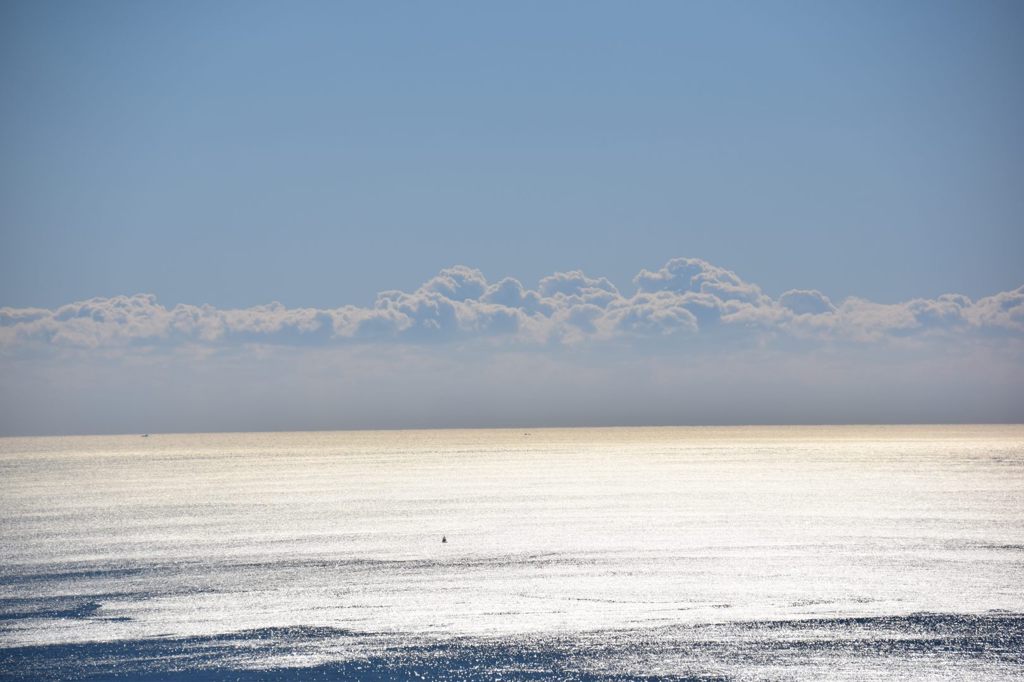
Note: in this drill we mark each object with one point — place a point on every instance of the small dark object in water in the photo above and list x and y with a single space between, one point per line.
444 539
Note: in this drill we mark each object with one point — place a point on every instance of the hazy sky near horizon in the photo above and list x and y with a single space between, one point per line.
705 212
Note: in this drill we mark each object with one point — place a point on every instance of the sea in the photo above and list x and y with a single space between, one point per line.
692 553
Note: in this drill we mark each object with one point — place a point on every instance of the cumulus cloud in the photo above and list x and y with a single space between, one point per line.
697 276
576 287
510 293
458 283
1004 311
658 313
806 302
687 298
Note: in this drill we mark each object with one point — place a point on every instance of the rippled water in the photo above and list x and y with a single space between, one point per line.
717 553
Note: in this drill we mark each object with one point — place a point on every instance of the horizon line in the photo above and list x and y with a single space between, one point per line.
579 427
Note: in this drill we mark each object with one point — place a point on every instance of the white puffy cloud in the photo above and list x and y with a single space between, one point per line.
12 316
1003 311
806 302
659 313
945 311
700 277
576 287
457 283
684 299
510 292
90 323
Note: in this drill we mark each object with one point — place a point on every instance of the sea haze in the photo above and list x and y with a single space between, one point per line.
707 553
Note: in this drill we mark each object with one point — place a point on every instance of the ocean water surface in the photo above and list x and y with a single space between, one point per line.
743 553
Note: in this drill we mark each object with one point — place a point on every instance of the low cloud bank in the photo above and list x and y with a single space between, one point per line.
686 299
688 343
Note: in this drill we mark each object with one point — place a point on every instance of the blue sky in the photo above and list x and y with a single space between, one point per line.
317 154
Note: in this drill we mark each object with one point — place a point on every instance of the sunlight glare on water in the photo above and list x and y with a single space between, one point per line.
585 535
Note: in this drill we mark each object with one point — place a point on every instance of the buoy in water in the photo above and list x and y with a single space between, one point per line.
444 539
